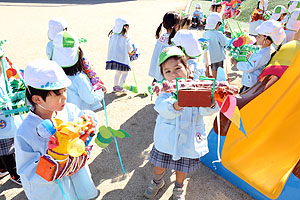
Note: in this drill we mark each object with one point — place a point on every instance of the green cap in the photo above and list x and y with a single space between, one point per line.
169 52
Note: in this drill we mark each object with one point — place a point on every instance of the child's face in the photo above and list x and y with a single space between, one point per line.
173 69
55 102
219 9
260 39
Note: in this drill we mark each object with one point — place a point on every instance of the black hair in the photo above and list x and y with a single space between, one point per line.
214 8
30 91
78 67
273 54
169 21
124 31
182 59
187 20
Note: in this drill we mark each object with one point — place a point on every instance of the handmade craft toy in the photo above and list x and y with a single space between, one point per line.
203 43
134 54
91 73
232 8
67 152
13 102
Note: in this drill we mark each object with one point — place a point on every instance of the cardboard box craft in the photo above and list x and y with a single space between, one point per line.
195 97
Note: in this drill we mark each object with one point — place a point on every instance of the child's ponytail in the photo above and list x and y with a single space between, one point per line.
110 33
172 35
158 30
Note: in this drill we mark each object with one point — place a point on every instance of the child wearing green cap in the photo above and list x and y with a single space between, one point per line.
179 135
46 85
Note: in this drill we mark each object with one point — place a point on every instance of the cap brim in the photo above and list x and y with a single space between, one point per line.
65 57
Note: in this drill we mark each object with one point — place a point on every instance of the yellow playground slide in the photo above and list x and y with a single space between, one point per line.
266 158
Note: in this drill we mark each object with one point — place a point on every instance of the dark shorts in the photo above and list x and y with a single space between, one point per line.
164 160
215 66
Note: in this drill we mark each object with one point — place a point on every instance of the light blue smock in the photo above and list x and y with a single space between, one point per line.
254 66
82 94
198 14
30 146
217 42
49 49
195 67
161 43
180 133
8 125
119 48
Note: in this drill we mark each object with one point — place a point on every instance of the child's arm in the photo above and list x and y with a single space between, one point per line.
208 111
254 63
167 106
129 45
86 91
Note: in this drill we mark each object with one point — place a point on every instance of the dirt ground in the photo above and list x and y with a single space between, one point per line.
25 26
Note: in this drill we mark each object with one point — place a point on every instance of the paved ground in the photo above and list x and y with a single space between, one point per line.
24 25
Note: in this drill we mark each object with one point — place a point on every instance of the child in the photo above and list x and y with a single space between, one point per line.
55 26
8 129
47 85
269 32
292 24
171 22
189 44
179 134
292 5
120 45
217 42
216 6
186 21
69 56
257 16
198 15
279 13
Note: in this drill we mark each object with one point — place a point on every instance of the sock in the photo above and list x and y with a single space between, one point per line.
157 178
178 185
117 78
123 78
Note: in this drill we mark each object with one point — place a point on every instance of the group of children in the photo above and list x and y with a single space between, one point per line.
180 138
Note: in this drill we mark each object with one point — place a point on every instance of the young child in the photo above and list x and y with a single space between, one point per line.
198 16
120 45
46 91
69 56
257 16
179 134
217 42
269 32
55 26
171 22
8 129
292 25
279 13
186 21
190 46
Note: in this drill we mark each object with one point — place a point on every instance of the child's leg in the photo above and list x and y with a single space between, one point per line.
123 78
178 192
10 164
156 184
117 78
158 174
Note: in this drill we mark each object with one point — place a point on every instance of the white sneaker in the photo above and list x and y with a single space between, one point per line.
178 194
2 174
153 189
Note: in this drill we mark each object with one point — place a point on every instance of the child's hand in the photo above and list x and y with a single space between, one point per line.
249 54
104 89
176 106
233 61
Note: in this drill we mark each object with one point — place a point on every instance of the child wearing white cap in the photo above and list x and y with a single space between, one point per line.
8 129
69 56
269 32
279 13
217 42
46 91
119 47
292 5
198 15
171 22
292 25
187 41
257 16
55 25
180 138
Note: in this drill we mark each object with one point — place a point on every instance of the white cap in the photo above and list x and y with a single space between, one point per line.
263 4
188 41
293 21
293 4
273 29
119 23
198 5
216 2
45 74
212 20
56 25
65 50
277 12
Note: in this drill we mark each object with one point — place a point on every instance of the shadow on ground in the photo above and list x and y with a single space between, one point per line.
8 185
